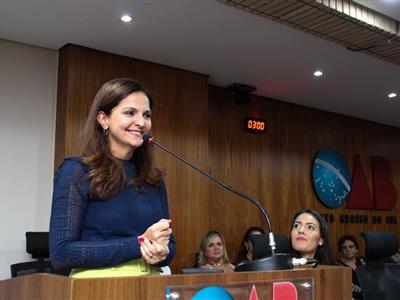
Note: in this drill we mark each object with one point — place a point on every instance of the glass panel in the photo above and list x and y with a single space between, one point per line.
297 289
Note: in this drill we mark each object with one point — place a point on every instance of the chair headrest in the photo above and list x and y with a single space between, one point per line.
37 244
380 244
261 246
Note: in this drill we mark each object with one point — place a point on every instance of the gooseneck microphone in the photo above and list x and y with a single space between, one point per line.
278 261
148 138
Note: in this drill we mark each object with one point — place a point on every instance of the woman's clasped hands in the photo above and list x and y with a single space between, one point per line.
154 242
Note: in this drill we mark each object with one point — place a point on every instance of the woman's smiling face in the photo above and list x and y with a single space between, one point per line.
126 124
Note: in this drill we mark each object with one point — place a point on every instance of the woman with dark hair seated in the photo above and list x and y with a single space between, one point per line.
309 237
246 249
348 248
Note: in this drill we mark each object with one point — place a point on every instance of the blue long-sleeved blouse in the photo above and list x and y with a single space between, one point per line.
88 233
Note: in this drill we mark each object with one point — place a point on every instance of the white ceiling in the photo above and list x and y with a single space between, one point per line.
228 44
390 8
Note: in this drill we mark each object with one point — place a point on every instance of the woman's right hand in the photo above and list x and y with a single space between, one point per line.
159 232
153 252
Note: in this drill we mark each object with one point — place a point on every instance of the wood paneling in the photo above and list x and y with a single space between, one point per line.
179 121
275 167
204 125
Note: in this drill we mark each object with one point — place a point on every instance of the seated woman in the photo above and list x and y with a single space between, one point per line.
309 237
213 253
348 248
246 249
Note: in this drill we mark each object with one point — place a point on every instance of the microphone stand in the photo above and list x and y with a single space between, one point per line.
279 261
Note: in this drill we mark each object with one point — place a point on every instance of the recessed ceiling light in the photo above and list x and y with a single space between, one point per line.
392 95
126 18
318 73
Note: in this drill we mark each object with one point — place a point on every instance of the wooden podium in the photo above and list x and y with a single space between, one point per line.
330 282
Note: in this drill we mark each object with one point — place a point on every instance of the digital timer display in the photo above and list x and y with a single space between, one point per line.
255 125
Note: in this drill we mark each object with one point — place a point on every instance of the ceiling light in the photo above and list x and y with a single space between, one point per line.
126 18
392 95
318 73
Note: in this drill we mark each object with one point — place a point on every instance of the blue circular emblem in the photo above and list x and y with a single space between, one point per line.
212 292
331 178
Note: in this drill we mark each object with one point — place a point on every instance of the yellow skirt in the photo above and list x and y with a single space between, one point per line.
137 267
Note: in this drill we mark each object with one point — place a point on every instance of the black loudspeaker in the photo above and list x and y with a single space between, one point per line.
241 92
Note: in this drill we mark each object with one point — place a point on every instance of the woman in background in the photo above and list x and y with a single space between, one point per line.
110 210
348 248
309 237
246 249
213 254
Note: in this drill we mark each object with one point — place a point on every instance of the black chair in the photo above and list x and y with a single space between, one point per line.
37 244
379 278
261 246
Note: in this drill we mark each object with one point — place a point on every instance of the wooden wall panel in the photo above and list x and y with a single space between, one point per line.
275 167
179 121
204 125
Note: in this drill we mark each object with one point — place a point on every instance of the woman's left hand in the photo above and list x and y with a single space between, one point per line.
153 252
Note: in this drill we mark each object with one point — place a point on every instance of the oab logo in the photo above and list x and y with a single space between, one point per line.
333 183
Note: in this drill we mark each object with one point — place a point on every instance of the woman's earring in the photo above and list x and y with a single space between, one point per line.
105 131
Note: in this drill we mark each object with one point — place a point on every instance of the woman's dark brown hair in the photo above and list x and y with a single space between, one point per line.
347 237
107 174
324 252
243 250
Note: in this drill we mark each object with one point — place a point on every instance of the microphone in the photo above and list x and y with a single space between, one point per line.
278 261
303 261
284 259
